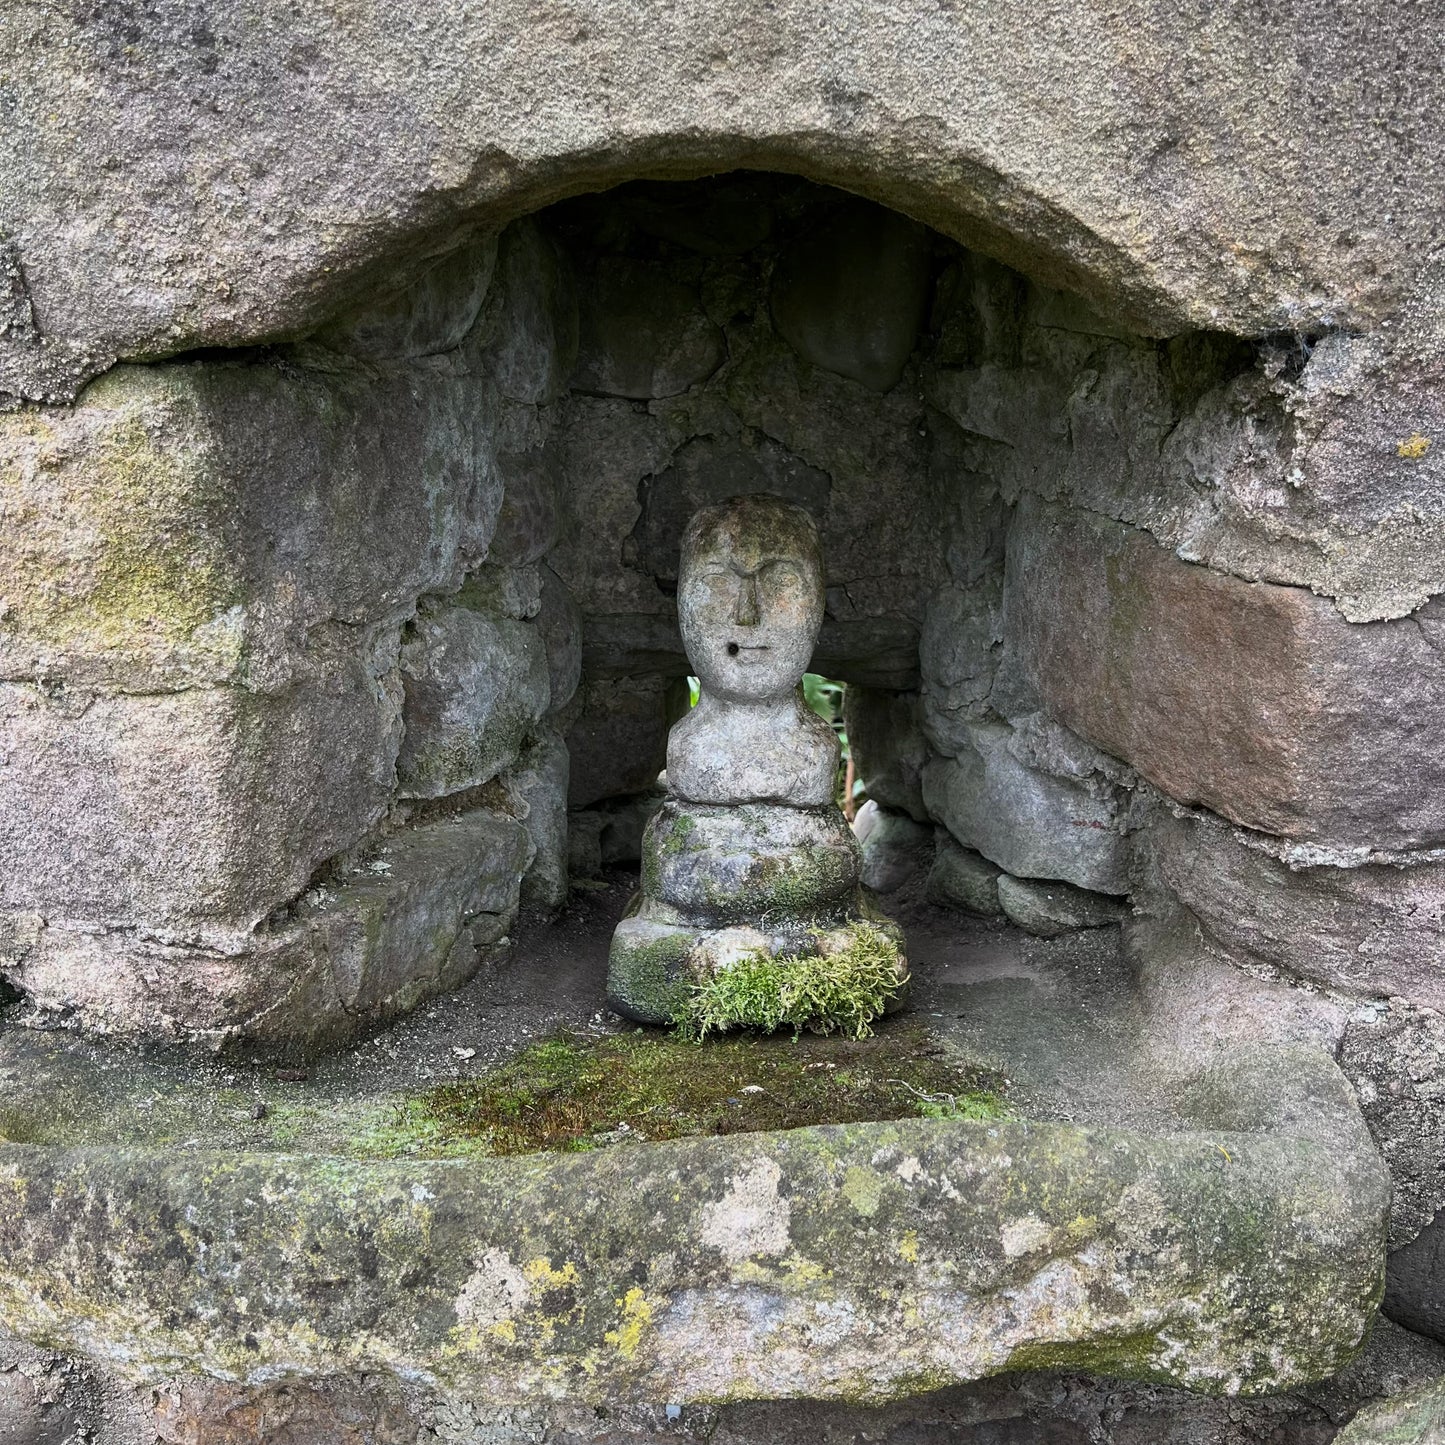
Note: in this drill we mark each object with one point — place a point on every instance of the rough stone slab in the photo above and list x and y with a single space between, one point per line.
1289 462
179 809
1260 702
961 878
1374 930
862 1261
1049 910
406 924
368 153
1030 823
193 524
1416 1418
476 688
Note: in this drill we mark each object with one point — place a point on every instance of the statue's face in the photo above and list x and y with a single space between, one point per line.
750 609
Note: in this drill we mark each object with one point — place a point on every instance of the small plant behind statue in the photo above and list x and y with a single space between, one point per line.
751 913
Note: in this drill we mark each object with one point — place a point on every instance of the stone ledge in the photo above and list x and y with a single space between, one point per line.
1240 1254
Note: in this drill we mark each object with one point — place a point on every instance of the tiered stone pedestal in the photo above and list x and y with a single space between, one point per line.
723 881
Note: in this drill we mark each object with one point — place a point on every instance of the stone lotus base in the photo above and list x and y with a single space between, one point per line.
719 883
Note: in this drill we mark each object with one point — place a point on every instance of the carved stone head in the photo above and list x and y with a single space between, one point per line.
750 597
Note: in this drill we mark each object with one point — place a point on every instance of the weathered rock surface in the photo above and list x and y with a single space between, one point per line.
1394 1055
1258 701
782 752
705 472
433 314
187 809
360 156
618 740
643 335
560 622
1031 823
1417 1418
961 878
851 296
321 1412
1240 1254
778 867
526 337
1370 930
476 688
895 848
189 524
1049 910
610 833
528 518
539 779
414 919
1415 1282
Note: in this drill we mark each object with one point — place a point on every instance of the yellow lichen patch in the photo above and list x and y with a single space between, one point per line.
1414 446
908 1246
636 1318
504 1330
539 1273
113 524
863 1189
802 1270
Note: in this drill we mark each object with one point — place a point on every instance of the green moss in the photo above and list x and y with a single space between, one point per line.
1134 1356
568 1093
675 840
644 974
843 990
144 501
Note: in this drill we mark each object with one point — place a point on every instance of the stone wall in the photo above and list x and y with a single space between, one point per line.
281 663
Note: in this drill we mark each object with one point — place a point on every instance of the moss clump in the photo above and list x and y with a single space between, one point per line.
841 991
569 1093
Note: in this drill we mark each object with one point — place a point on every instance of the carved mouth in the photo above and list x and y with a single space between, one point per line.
747 652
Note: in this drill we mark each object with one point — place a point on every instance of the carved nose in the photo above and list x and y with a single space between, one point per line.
745 613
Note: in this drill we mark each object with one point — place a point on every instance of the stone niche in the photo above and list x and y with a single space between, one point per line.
325 667
320 662
342 468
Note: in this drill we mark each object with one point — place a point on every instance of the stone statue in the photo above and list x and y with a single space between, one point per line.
749 853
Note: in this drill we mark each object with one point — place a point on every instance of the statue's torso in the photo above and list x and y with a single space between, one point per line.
778 752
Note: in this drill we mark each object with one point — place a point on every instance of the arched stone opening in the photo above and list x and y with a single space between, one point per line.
308 623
